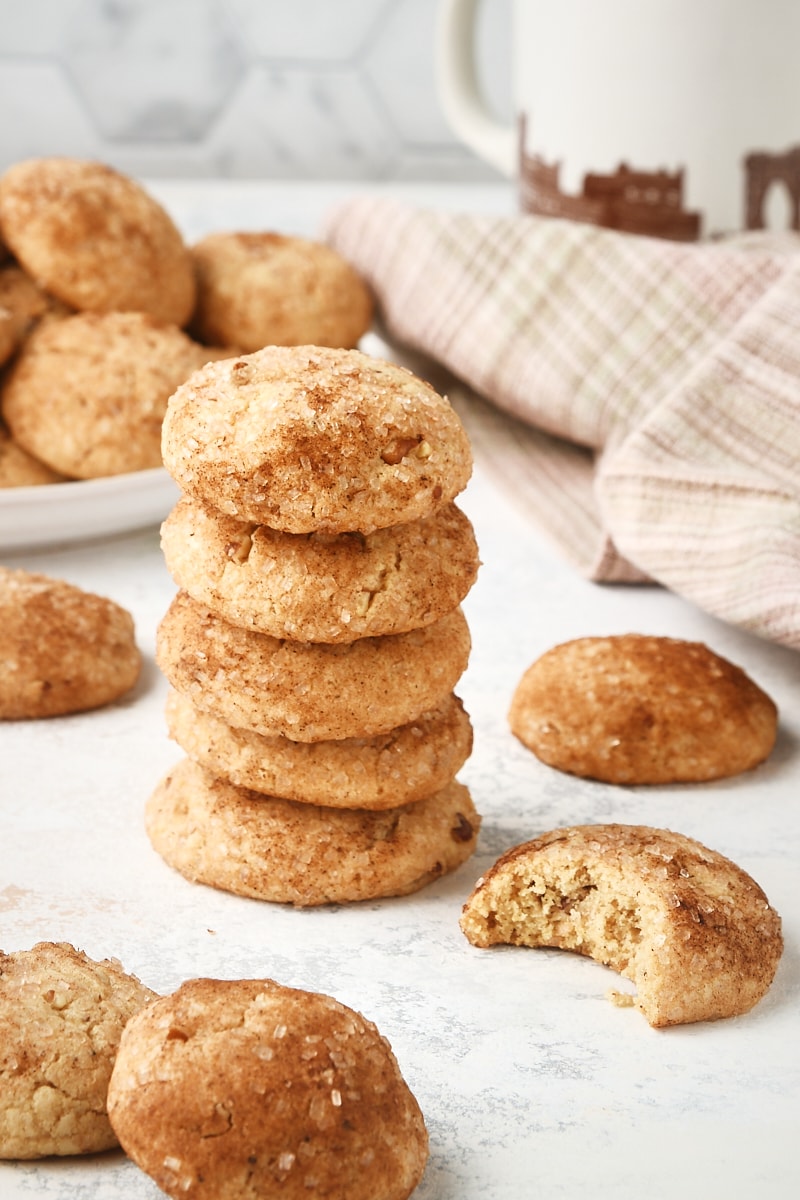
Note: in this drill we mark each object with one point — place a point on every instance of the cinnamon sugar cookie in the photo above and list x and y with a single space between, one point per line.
633 709
309 692
380 772
306 438
266 848
95 239
22 305
694 932
87 394
267 289
61 1020
20 469
321 587
306 1093
62 649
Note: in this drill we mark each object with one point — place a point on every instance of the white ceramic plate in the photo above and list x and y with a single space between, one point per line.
53 514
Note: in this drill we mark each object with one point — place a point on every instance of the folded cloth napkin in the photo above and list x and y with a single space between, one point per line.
641 397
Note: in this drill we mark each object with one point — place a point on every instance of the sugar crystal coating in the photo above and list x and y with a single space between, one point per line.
231 1089
305 438
694 931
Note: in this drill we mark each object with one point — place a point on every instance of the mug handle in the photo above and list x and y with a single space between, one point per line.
462 100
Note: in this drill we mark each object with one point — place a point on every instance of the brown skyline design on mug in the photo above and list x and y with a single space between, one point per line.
649 202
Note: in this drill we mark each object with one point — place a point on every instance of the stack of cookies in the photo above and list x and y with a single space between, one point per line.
317 636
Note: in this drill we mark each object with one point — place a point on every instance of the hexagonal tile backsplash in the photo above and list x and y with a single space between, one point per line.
245 89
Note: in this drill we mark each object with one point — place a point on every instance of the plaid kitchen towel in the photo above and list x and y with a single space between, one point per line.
640 397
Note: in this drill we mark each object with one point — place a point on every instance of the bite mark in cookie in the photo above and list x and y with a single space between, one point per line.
694 932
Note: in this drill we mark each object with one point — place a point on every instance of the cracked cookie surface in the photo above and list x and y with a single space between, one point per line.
270 849
322 587
61 1020
306 438
232 1089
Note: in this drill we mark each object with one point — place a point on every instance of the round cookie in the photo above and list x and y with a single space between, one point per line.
692 930
306 1092
321 587
22 304
307 691
61 1019
632 709
381 772
306 438
267 289
95 239
62 650
20 469
267 848
87 394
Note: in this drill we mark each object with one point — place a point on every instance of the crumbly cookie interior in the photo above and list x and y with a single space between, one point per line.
692 930
572 907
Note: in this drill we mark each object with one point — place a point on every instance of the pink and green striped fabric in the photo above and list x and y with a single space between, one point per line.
640 398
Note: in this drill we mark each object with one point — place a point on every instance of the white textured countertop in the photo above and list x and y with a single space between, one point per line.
531 1082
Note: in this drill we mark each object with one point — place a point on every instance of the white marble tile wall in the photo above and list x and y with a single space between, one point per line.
284 89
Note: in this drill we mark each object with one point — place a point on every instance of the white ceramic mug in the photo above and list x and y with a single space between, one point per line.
674 118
